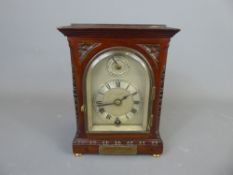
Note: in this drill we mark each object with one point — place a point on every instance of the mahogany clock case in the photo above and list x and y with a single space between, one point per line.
85 41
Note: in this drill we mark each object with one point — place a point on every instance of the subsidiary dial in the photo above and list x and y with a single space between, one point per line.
117 101
117 65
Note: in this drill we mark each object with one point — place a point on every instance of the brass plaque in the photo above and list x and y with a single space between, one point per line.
116 149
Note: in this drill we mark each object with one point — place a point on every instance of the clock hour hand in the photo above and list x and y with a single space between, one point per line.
105 104
116 102
126 96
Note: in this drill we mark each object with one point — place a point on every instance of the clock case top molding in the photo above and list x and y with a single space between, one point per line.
85 41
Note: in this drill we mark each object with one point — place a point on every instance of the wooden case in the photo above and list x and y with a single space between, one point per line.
85 41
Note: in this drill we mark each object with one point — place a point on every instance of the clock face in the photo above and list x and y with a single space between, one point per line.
118 85
117 101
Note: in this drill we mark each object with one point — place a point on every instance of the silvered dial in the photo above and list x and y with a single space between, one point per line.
117 101
117 91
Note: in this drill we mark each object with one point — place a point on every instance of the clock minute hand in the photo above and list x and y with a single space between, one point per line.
106 104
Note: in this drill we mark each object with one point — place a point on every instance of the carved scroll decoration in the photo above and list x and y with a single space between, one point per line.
85 48
153 50
80 141
161 90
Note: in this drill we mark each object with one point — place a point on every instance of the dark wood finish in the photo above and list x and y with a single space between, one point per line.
118 30
86 40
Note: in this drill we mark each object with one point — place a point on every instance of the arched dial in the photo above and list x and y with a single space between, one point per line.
118 87
117 101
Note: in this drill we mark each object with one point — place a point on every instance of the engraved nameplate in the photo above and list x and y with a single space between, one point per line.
113 149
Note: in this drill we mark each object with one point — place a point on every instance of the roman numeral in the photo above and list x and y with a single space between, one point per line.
134 93
108 116
118 83
99 102
117 122
101 110
108 86
133 110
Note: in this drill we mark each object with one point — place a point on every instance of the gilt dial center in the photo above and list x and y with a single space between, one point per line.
119 107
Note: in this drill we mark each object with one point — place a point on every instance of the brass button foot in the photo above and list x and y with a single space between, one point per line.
77 154
156 155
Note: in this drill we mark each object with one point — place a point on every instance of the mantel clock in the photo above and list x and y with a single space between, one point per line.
118 77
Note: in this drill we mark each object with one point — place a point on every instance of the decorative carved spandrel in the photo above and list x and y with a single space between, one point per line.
153 50
84 49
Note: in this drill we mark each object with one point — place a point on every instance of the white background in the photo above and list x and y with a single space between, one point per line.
37 118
